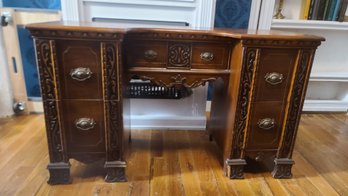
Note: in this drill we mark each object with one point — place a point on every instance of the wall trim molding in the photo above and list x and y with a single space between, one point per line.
325 106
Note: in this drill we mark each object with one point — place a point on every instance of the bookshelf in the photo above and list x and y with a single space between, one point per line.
328 86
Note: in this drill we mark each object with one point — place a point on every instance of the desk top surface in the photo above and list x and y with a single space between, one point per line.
221 32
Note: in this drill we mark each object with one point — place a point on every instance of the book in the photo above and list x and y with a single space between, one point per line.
305 9
321 9
327 8
343 10
337 10
316 9
311 8
331 10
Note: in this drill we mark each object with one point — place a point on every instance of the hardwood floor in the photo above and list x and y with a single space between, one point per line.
177 163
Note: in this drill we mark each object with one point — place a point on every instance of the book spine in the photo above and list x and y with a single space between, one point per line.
315 9
321 9
331 11
310 12
336 10
305 9
343 10
327 8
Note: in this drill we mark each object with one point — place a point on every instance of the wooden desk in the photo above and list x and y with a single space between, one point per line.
259 84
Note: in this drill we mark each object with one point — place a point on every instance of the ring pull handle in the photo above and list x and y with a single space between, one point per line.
81 73
266 123
85 124
207 56
150 54
274 78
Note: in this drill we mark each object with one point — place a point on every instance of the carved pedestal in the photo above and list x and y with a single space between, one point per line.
59 173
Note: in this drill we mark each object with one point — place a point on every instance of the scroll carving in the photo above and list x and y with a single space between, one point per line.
243 102
179 56
178 81
295 104
110 68
48 72
111 93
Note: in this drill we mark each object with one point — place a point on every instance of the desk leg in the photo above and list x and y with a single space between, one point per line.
282 168
234 168
116 171
59 173
114 164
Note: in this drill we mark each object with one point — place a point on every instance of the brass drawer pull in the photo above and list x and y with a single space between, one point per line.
150 54
274 78
85 124
207 56
81 73
266 123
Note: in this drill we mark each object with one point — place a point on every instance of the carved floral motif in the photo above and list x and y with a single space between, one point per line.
48 73
179 55
112 118
295 104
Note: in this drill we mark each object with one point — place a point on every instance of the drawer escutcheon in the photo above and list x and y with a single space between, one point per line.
207 56
266 123
81 73
274 78
85 124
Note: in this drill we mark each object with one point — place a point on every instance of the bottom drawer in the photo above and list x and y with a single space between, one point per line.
83 123
265 125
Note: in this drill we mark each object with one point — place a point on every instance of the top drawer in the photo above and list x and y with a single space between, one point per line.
274 74
79 65
177 55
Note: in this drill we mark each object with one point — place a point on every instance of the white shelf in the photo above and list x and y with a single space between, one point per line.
308 24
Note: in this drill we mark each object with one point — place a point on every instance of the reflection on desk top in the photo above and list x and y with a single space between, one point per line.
126 29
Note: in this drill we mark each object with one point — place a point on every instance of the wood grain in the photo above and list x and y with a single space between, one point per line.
176 163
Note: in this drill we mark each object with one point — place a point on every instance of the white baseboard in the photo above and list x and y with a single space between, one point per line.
158 122
325 106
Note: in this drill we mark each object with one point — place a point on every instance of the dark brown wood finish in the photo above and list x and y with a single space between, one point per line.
259 81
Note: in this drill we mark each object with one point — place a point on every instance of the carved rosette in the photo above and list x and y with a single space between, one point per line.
243 102
111 103
179 55
297 99
48 73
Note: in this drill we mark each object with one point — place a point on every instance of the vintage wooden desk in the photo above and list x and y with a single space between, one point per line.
259 83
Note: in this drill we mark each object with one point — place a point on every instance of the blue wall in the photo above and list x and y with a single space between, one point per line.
232 13
41 4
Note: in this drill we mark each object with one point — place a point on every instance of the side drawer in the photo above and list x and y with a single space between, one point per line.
83 123
79 65
265 125
274 74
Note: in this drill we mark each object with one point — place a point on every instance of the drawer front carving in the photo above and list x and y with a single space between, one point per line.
80 69
265 125
84 125
147 53
274 74
209 56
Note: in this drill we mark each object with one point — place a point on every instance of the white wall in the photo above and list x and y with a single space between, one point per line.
5 88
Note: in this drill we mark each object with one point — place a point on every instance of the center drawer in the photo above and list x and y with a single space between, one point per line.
177 54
